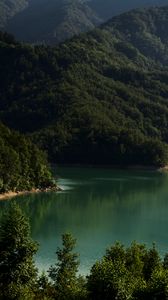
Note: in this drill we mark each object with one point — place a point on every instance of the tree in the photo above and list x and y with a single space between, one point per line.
157 287
116 253
110 281
17 269
45 290
152 261
165 262
64 273
135 258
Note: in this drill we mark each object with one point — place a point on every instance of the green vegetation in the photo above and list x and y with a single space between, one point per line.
53 21
100 98
135 272
67 284
18 274
22 165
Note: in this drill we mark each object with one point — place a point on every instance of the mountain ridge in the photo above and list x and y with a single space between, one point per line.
98 98
58 20
10 8
64 20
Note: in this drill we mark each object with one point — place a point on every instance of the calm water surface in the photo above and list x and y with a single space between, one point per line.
99 207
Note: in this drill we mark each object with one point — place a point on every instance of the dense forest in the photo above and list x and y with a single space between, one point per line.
22 165
52 21
100 98
135 272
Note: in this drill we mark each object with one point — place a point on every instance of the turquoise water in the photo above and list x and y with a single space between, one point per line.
99 207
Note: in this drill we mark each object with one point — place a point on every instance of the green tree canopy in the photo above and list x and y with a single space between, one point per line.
64 274
17 269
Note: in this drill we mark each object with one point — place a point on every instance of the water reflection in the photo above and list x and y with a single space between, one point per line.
99 206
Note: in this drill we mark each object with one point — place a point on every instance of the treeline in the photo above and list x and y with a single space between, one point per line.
94 143
100 98
22 165
136 272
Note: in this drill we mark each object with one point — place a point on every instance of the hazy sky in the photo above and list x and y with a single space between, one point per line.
108 8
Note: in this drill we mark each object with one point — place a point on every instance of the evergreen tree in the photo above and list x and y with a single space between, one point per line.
45 290
165 262
17 269
152 262
110 281
64 273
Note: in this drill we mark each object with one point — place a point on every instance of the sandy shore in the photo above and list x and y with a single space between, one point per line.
10 194
164 169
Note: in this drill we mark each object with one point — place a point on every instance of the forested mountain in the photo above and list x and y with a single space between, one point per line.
98 98
22 165
109 8
8 8
52 21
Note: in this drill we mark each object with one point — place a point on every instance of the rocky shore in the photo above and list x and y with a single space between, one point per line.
11 194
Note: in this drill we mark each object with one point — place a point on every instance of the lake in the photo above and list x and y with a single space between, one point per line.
98 206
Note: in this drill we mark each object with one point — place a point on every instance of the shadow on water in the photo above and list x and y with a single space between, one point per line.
99 206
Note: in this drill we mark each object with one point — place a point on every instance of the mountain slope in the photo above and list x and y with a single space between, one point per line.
53 21
145 29
9 8
99 98
109 8
22 165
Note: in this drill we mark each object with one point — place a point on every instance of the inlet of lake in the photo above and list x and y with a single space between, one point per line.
98 206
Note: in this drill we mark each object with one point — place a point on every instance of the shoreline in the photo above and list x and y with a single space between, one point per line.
163 169
11 194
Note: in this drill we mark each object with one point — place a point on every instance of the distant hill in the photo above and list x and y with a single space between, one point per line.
53 21
8 8
109 8
98 98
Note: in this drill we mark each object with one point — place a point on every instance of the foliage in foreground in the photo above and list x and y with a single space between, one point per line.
136 272
18 274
